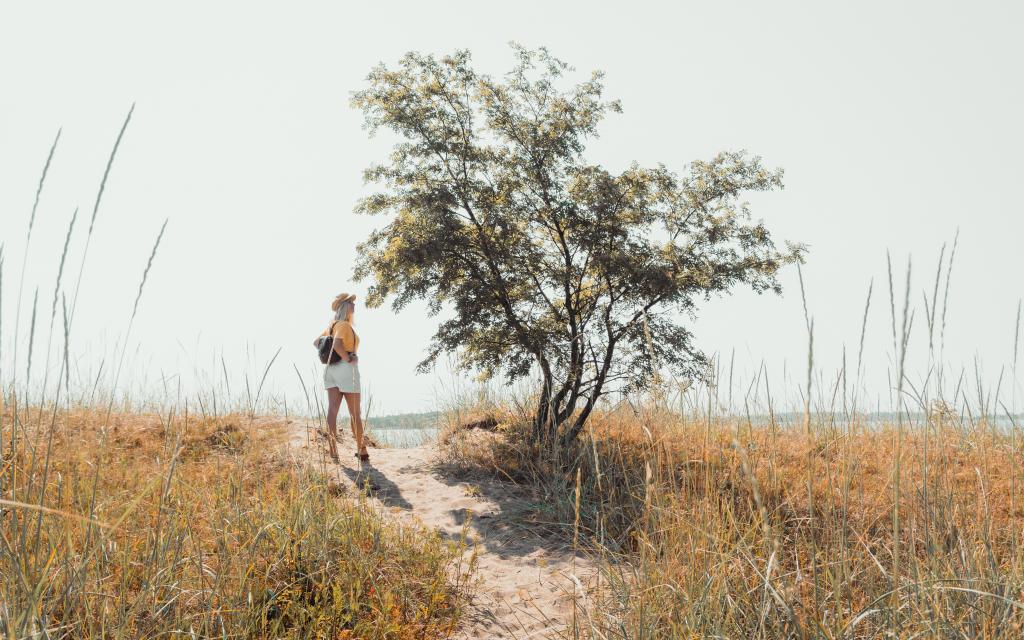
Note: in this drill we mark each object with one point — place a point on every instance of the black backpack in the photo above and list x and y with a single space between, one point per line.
325 347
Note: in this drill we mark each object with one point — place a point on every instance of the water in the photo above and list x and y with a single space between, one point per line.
403 438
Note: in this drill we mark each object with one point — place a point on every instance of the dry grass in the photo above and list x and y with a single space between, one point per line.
200 528
133 525
467 450
724 528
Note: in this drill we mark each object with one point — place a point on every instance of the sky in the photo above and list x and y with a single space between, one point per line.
897 124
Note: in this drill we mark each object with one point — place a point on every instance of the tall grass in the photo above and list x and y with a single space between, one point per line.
205 528
727 527
117 522
830 521
794 535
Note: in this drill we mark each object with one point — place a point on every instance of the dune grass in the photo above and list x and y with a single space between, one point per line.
720 527
200 527
126 524
757 532
122 522
709 522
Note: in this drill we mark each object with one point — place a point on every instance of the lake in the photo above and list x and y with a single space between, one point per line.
403 438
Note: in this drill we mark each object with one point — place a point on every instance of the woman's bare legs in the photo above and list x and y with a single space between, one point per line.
334 397
356 420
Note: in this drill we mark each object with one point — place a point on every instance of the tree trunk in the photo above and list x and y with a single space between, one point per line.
543 416
573 432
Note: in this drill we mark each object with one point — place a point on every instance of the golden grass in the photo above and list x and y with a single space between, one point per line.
738 530
202 529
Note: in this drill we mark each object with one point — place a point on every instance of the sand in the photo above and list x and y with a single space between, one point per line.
526 582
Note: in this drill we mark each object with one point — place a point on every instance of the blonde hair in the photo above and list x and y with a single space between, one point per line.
344 311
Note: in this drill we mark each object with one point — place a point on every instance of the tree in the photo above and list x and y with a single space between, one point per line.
545 263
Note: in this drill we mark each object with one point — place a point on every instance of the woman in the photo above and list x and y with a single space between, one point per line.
341 379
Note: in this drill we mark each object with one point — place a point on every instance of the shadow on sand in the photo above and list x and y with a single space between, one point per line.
380 486
519 522
509 520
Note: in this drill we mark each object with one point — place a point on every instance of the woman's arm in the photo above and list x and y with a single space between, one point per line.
344 341
339 348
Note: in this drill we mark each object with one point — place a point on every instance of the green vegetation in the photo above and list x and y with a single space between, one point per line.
824 522
545 263
831 526
840 525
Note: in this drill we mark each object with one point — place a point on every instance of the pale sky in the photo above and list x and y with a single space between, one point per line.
896 123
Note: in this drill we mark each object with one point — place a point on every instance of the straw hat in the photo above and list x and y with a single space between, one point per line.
342 297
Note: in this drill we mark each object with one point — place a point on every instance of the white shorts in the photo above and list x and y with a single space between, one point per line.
343 375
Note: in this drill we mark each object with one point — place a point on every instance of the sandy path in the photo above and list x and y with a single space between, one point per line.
524 581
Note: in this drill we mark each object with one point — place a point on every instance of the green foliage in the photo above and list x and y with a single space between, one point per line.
547 263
